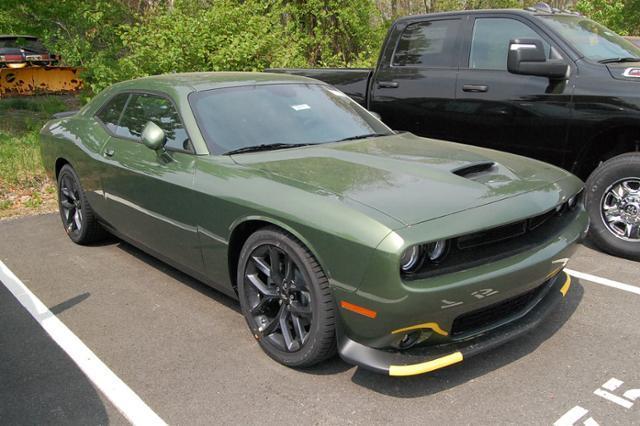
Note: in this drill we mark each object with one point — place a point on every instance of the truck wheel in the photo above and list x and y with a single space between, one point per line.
613 202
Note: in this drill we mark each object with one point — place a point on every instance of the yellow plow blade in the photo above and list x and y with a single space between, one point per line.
33 80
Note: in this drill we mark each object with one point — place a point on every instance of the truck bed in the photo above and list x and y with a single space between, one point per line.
352 81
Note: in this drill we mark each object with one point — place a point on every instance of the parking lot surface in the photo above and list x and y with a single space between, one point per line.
186 351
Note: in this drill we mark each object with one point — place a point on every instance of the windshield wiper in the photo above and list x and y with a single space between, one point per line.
618 60
368 135
266 147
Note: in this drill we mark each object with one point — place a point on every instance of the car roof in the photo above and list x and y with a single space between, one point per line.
200 81
520 12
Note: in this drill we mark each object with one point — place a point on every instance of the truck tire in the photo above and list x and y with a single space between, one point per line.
612 199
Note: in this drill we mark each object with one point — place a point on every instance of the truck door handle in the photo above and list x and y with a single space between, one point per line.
476 88
109 153
388 84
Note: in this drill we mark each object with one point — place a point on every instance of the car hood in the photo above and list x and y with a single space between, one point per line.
408 178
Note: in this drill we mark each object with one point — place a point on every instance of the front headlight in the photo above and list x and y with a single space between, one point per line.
437 250
414 257
411 259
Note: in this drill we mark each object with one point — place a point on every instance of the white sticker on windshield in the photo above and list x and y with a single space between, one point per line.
300 107
337 92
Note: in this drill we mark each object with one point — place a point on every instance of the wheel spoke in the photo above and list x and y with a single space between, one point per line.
289 341
632 230
628 189
66 204
618 192
261 265
260 286
300 310
299 328
70 214
77 220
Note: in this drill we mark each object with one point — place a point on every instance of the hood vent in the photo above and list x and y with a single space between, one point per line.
471 170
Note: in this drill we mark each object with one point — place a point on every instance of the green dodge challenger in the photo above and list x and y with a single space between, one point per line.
403 254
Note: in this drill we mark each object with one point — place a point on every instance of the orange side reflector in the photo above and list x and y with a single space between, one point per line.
358 309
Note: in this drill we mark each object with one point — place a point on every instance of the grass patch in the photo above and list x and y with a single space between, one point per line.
24 187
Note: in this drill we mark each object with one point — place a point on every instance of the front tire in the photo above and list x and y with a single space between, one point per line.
286 299
78 218
613 202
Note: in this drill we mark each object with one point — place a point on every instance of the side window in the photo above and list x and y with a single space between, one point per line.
109 114
490 42
143 108
428 44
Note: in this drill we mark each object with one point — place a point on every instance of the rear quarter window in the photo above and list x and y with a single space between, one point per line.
110 113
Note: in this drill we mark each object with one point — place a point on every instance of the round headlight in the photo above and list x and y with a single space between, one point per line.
410 258
437 250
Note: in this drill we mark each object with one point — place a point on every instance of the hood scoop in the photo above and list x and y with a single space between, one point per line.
473 170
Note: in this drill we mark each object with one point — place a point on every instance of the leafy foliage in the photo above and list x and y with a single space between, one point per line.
622 16
119 39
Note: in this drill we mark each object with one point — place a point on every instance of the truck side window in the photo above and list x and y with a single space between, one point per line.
428 44
490 42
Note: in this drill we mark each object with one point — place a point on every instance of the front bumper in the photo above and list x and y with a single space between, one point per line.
425 359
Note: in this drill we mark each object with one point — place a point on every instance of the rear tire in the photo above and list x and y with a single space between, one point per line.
286 299
612 200
78 219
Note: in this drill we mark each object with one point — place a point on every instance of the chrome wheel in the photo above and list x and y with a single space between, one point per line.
70 204
620 209
278 298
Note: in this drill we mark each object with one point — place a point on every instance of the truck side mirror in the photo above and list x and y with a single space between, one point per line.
153 136
527 57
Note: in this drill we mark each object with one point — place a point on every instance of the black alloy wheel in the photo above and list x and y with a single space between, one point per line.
70 205
286 300
77 216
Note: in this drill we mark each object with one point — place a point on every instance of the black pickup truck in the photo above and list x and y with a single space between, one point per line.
539 82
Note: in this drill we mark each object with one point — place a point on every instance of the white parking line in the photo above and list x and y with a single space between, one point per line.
115 390
604 281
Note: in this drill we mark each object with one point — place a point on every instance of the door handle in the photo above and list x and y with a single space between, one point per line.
109 153
476 88
388 84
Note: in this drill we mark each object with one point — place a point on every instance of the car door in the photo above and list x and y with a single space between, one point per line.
149 194
416 77
527 115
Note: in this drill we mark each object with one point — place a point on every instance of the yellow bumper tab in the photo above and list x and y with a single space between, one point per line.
428 325
566 285
425 367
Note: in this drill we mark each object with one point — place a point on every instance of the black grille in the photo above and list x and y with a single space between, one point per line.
486 316
493 244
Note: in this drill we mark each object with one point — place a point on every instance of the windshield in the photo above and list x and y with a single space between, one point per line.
592 40
22 42
246 116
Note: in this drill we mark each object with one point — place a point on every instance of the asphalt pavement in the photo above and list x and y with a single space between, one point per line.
185 350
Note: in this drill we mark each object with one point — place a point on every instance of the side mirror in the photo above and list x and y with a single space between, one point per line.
527 57
153 136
